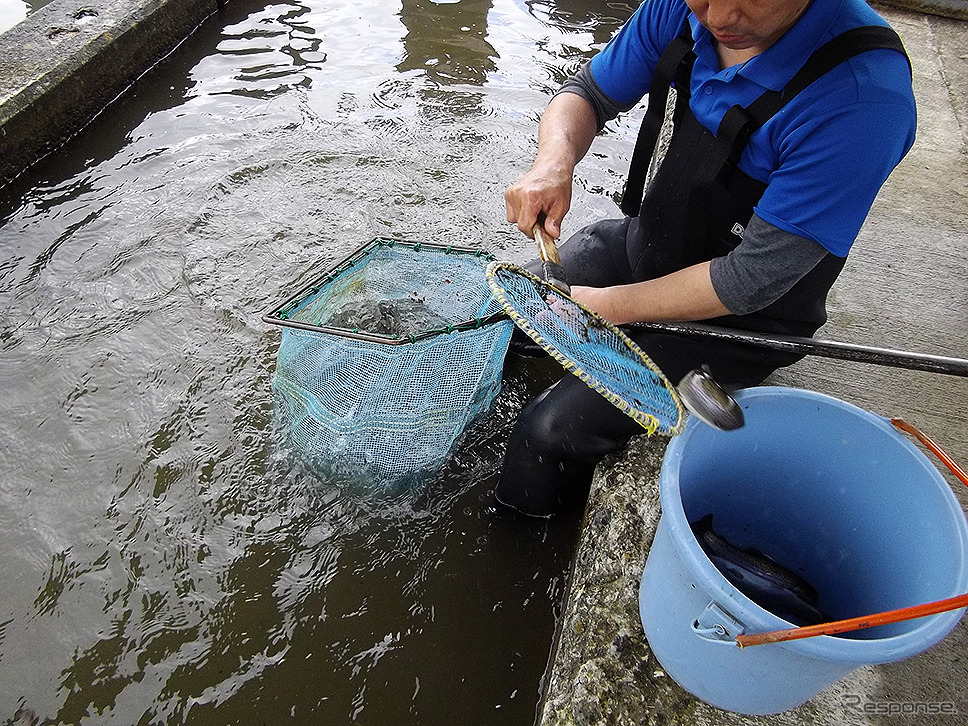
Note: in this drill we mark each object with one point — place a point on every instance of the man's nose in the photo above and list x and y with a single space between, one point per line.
722 14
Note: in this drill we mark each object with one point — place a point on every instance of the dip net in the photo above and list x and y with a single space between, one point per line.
589 347
387 358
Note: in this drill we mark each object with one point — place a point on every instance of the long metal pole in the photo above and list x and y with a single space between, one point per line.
812 346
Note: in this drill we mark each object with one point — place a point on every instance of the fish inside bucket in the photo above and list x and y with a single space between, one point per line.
759 577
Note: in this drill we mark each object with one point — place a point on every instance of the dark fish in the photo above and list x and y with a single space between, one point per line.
763 580
391 318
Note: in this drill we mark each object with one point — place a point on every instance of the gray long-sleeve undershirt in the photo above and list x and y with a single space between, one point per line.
765 265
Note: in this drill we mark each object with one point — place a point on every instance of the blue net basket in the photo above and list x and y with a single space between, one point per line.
387 358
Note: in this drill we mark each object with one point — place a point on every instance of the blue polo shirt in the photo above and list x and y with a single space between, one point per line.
826 154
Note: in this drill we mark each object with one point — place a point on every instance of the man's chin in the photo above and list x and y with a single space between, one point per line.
735 42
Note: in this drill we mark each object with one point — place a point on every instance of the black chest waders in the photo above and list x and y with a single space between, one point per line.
696 208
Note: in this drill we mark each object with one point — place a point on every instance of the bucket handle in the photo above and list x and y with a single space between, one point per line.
909 428
884 618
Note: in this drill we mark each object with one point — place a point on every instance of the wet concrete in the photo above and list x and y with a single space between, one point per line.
957 9
903 288
64 63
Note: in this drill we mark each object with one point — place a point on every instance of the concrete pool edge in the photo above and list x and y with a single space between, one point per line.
69 60
955 9
602 670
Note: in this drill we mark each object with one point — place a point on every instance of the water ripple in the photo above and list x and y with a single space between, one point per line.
174 562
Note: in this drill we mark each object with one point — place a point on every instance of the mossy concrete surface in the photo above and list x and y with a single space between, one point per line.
903 288
957 9
64 63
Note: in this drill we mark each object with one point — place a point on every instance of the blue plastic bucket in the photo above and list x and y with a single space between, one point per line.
832 492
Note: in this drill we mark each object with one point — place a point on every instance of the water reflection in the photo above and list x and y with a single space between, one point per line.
11 13
273 51
172 562
447 41
599 19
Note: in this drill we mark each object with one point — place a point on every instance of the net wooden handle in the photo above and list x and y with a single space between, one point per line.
546 246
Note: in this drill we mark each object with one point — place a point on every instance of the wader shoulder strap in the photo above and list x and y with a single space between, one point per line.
739 123
826 58
675 64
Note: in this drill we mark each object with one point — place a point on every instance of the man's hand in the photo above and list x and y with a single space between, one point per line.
541 191
567 129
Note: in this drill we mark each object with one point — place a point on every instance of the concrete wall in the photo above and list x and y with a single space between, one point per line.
66 62
956 9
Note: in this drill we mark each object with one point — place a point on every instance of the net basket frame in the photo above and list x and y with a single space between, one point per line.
278 314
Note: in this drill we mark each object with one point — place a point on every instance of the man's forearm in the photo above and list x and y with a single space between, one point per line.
684 295
566 132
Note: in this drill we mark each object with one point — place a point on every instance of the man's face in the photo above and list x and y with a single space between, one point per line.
748 24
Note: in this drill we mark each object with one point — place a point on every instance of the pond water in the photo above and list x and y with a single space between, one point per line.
166 558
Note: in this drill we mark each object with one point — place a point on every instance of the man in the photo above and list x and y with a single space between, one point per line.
790 115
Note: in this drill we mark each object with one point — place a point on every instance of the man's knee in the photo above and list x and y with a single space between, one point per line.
595 255
553 425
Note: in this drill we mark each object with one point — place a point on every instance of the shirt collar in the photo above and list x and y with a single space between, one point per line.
778 64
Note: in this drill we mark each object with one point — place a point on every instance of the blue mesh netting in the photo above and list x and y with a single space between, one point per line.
589 347
366 409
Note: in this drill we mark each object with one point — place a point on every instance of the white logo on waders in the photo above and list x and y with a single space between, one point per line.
738 230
